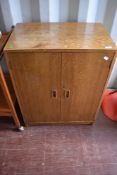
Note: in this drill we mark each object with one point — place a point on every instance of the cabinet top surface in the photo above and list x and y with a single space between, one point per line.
59 36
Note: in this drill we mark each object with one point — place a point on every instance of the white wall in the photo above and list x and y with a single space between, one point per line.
104 11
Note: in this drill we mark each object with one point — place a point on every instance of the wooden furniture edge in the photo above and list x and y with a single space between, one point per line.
8 99
14 86
110 71
61 122
59 50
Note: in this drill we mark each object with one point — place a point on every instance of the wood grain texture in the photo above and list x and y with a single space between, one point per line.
106 84
59 37
58 70
84 74
34 77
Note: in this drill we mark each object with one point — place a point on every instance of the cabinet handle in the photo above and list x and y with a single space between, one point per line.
67 93
54 93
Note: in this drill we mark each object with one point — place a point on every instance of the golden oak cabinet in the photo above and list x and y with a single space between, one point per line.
59 70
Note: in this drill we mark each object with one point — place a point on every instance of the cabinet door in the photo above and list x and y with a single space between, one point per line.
83 79
36 78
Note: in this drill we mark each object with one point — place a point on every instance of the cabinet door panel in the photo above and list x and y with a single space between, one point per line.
83 79
34 76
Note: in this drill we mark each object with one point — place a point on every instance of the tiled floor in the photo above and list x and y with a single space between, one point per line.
60 149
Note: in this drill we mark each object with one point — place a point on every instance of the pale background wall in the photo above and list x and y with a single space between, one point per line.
104 11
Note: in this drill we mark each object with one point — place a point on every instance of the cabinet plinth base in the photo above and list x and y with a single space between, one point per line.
61 123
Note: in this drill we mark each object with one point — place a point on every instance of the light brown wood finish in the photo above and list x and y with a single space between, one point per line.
3 103
67 58
7 96
6 104
54 37
84 75
35 77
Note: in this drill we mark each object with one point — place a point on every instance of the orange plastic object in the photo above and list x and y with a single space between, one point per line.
109 104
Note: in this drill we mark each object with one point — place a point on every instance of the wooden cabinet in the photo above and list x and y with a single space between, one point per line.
56 78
